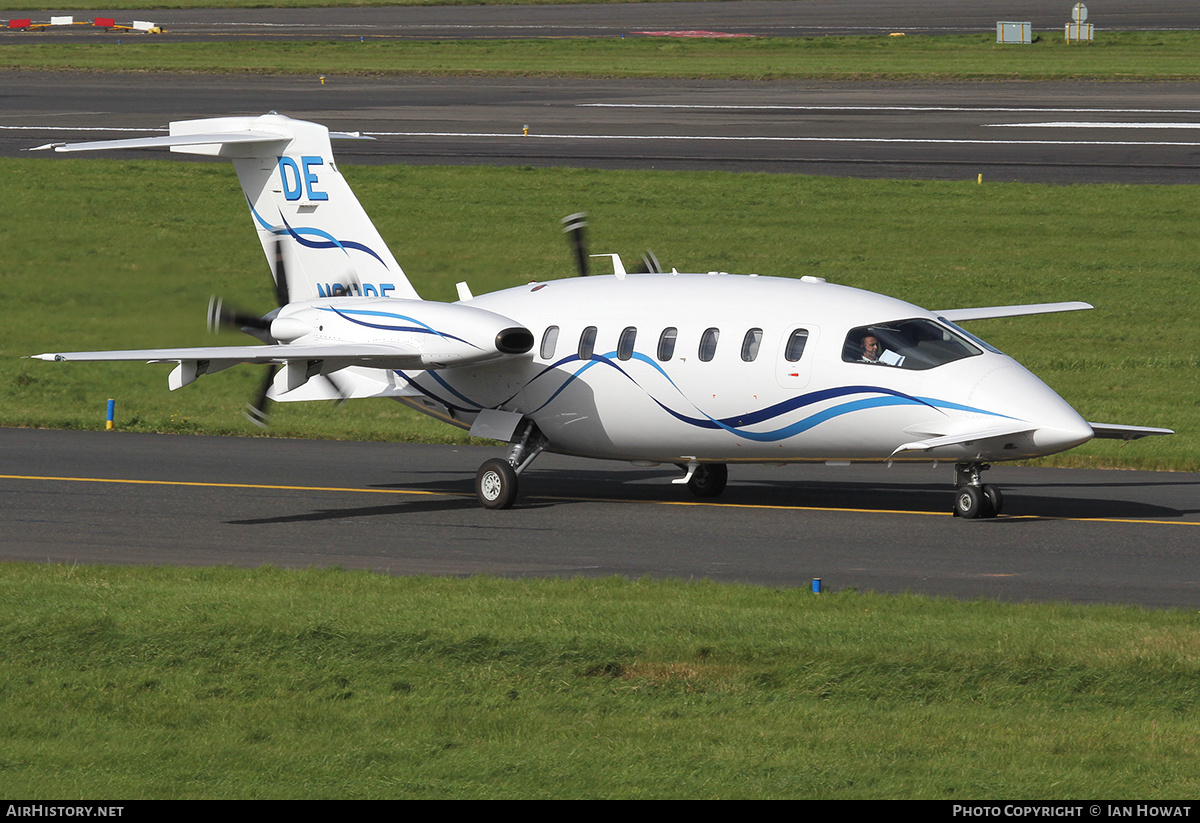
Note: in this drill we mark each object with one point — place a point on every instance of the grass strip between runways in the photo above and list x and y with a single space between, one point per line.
1113 56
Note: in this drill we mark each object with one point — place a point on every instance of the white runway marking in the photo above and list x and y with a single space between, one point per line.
1100 125
771 139
1022 109
737 138
75 128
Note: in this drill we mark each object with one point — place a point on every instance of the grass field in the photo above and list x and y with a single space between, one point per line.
109 254
1114 56
206 683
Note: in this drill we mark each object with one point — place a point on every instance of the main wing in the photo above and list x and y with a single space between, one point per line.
1113 431
989 312
300 362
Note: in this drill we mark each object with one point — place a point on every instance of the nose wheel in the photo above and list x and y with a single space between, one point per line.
496 480
973 498
496 484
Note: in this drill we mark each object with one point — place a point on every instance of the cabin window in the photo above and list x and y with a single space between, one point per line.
708 344
750 344
666 343
916 344
587 343
795 345
625 343
549 341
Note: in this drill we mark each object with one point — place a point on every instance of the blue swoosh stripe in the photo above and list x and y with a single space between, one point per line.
420 328
884 397
298 234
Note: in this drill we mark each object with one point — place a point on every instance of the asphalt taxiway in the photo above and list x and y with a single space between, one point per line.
1070 535
1028 132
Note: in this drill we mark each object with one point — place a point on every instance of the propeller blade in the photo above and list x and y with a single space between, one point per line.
650 264
343 392
222 316
256 412
573 228
280 275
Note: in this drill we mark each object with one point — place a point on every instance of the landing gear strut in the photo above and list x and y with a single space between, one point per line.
496 480
972 498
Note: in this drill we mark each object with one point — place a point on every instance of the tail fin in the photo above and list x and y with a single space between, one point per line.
294 191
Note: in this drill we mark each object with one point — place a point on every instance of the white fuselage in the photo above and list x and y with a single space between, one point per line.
627 400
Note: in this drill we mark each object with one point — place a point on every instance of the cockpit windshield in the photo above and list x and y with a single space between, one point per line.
907 344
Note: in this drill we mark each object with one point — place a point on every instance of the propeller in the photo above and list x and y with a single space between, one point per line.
573 228
650 264
221 315
256 412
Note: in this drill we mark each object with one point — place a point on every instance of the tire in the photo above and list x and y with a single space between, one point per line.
709 479
969 502
995 500
496 484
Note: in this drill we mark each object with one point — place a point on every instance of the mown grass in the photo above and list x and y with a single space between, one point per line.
210 683
1113 56
98 254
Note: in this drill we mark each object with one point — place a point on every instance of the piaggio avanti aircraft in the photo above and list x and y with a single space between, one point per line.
698 370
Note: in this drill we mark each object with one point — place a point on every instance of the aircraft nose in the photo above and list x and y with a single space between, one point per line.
1014 391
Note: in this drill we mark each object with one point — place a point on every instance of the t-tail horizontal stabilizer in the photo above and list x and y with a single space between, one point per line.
295 193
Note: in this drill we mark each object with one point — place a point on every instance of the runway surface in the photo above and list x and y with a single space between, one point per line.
768 18
1084 536
1004 131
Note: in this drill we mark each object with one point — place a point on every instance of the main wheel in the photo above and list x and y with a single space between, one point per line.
496 484
709 479
995 500
969 502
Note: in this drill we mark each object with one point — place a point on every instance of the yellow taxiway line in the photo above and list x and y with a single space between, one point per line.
346 490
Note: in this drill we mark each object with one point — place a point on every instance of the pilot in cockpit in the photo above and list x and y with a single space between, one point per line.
870 349
874 352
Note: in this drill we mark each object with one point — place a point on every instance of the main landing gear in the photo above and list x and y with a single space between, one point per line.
704 479
496 480
973 498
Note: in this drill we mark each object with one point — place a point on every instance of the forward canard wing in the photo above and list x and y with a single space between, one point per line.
965 438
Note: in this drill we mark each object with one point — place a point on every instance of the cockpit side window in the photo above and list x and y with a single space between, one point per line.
915 344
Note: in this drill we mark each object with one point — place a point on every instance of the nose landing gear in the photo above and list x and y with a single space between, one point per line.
496 480
973 498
